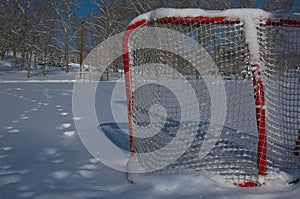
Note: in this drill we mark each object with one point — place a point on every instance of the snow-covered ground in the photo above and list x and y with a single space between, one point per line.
42 156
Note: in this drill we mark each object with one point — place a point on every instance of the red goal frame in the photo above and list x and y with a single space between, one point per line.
257 80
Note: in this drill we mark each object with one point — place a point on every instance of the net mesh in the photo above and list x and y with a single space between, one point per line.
280 49
173 97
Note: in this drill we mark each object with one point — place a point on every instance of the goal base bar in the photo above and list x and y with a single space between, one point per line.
295 181
247 184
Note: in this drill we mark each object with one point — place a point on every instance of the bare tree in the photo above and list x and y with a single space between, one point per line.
12 28
3 43
24 7
105 23
278 6
64 10
45 30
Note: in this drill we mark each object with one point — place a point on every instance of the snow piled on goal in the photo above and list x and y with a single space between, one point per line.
194 12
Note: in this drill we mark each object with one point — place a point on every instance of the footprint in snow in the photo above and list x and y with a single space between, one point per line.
69 133
63 126
34 109
7 148
14 131
24 117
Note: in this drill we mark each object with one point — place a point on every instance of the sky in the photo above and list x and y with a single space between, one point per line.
258 3
87 6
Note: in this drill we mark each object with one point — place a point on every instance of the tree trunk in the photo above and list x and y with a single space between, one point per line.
3 52
45 61
67 52
67 36
22 61
35 58
107 28
15 61
81 47
29 65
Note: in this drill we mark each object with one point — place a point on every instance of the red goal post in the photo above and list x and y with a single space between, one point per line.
260 60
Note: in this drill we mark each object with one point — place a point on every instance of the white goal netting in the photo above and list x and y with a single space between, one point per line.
217 92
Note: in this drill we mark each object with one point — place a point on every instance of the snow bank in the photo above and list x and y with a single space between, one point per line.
207 185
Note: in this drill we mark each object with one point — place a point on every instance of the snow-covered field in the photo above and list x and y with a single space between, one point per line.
42 156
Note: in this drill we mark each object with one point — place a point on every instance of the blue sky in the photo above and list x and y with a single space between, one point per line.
87 5
258 3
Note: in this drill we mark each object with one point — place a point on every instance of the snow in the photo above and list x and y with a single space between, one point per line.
194 12
42 156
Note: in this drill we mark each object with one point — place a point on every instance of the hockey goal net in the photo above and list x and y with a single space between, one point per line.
214 91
